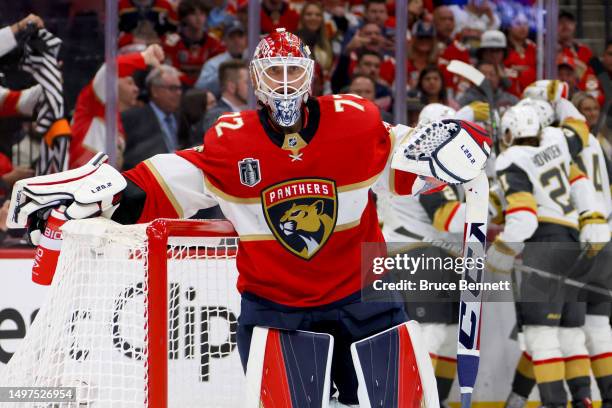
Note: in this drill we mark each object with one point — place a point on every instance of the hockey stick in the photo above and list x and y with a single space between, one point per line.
470 307
480 81
604 80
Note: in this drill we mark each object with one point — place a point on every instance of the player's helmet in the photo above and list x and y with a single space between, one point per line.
281 71
544 110
434 112
519 122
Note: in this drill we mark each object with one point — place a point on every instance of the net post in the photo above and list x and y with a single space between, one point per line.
157 316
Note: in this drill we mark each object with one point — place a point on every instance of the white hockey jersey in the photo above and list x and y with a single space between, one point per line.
536 180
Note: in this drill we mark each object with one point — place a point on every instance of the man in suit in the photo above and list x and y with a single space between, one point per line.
233 77
153 128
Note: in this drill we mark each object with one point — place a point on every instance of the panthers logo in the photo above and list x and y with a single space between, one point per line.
301 214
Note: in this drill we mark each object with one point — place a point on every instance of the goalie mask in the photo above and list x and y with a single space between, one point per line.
281 71
519 122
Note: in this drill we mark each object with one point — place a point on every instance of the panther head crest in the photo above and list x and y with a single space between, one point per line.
309 223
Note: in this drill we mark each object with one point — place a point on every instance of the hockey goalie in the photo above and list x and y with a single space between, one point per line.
294 178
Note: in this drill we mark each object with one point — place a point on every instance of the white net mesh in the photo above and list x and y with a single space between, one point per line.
92 331
427 138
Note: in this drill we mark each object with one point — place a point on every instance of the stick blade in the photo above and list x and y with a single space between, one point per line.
467 71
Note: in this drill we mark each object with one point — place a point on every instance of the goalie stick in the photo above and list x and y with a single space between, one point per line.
470 306
480 81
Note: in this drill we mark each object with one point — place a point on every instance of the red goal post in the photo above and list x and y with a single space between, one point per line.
158 233
139 316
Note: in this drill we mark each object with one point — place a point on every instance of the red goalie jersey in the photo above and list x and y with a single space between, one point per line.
300 202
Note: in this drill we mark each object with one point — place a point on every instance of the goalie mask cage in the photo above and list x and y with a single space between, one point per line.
138 316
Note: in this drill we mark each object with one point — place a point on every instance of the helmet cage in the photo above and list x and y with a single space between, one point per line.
283 96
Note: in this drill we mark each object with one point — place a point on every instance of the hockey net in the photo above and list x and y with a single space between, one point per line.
138 316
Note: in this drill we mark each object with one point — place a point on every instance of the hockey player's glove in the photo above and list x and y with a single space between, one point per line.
480 110
501 255
452 151
550 90
88 191
594 232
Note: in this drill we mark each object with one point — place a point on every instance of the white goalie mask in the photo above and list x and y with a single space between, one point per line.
281 72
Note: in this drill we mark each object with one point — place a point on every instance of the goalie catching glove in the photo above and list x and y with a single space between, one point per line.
452 151
88 191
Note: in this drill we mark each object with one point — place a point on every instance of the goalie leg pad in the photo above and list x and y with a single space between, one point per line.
394 369
289 369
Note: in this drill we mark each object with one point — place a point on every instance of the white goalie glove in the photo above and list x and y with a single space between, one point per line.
452 151
88 191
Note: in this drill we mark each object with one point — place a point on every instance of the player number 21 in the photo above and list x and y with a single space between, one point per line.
231 121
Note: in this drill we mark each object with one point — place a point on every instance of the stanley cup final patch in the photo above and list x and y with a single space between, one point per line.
250 173
301 213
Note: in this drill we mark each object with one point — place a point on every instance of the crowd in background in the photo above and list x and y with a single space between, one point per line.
183 63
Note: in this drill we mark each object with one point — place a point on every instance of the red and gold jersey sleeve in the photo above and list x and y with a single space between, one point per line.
174 186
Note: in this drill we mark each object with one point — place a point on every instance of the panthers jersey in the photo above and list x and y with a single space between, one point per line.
594 164
537 180
300 202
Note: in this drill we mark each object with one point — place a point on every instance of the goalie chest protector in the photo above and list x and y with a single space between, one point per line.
301 202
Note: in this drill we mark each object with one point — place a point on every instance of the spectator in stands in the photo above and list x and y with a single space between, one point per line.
566 33
521 60
416 12
477 15
191 112
606 58
589 107
337 14
219 17
153 128
501 99
369 64
365 87
370 38
580 54
236 44
160 15
192 46
88 122
447 47
234 78
421 53
276 14
492 48
313 32
430 88
444 26
375 12
567 71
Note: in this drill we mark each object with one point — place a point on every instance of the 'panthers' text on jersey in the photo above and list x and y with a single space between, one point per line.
537 179
300 202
